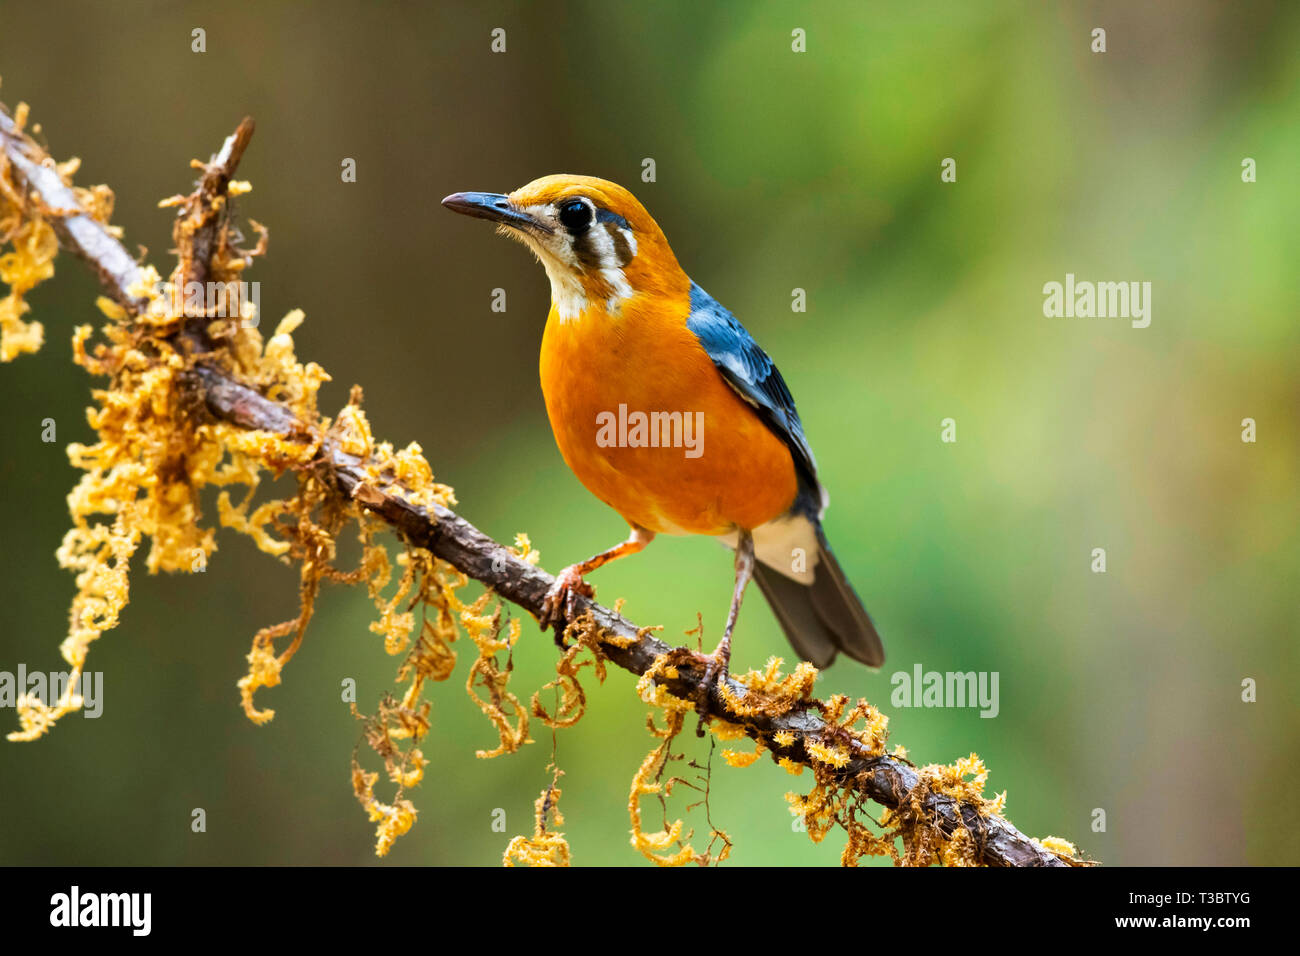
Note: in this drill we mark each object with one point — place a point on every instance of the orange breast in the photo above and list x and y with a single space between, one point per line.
650 427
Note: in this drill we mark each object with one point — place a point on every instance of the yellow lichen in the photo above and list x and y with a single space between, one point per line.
790 767
24 228
582 635
668 846
500 706
722 729
740 758
654 845
155 451
394 819
30 263
544 847
835 756
1062 848
768 692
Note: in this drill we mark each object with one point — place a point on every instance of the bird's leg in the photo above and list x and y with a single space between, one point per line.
557 606
721 658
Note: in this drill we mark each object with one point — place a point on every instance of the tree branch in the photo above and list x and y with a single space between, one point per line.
79 233
887 780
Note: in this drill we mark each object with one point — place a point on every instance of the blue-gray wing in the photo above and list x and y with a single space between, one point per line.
751 372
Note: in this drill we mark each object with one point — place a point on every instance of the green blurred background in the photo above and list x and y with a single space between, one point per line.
775 170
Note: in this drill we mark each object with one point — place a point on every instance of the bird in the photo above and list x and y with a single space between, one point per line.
667 410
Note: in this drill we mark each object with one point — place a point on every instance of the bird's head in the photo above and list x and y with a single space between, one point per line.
595 240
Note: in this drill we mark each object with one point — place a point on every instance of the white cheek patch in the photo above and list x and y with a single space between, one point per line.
631 239
601 251
622 289
556 257
567 293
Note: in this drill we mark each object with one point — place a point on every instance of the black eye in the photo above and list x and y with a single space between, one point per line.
575 215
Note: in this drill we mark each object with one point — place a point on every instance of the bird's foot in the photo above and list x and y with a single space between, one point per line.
720 660
559 605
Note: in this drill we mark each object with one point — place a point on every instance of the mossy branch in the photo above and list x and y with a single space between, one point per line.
796 734
887 780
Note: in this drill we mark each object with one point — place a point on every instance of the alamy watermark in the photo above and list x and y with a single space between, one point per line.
636 429
131 911
1101 300
215 300
50 687
922 688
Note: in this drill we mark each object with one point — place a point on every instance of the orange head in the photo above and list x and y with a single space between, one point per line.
595 240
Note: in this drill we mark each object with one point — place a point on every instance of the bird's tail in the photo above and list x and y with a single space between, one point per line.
825 617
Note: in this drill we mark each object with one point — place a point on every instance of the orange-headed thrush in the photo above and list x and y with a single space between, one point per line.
668 411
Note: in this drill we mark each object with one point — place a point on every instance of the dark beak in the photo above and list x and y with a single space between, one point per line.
493 207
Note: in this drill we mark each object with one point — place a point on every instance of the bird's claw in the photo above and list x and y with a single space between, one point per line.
558 607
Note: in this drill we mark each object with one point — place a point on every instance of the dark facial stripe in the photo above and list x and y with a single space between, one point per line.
589 245
584 247
621 247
